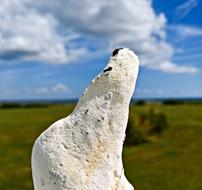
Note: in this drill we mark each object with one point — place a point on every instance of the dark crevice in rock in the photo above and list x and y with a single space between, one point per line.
107 69
115 52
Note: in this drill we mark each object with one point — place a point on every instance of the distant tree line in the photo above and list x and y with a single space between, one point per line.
20 105
169 101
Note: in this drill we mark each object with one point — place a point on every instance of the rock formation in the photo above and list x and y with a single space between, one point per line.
84 150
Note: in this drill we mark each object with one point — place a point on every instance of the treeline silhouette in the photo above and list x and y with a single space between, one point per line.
20 105
168 101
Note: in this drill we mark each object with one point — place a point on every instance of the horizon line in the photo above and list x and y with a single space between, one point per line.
73 100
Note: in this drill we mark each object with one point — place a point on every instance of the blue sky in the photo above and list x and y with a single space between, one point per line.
52 49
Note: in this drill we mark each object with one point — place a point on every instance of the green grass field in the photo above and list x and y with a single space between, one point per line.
171 161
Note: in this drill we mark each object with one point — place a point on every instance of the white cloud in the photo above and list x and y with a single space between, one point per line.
185 31
42 90
186 7
64 31
25 34
172 68
60 88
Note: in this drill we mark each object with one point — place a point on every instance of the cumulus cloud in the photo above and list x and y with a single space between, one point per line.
57 88
26 34
60 88
172 68
63 31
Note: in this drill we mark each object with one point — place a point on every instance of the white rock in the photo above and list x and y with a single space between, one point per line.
84 150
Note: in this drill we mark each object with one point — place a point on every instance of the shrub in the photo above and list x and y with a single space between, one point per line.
134 134
159 123
140 126
140 102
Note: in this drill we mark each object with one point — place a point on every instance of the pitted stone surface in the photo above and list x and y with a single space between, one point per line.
84 150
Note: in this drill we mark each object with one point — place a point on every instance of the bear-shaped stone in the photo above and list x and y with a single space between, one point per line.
84 150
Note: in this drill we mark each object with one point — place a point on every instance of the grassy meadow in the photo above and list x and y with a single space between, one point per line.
171 160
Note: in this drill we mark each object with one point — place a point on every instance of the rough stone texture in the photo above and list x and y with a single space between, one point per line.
84 150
